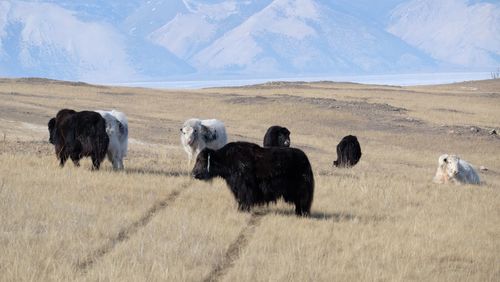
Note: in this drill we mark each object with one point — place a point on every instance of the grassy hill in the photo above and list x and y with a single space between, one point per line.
382 220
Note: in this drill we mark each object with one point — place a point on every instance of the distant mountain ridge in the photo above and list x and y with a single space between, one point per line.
114 41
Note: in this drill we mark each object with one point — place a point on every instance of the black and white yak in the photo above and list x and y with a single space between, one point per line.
197 134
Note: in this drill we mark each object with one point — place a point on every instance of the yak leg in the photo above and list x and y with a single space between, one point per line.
118 163
96 162
76 161
190 159
109 154
304 200
75 157
246 195
243 207
113 158
302 207
76 151
62 159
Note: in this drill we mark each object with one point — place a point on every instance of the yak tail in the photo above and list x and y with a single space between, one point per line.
121 117
122 128
103 144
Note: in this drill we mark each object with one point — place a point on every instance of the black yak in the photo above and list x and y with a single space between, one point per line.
259 175
79 134
277 136
348 152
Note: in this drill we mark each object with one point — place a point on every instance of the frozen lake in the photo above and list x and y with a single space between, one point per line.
390 79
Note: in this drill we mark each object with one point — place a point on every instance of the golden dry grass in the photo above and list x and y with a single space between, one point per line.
383 220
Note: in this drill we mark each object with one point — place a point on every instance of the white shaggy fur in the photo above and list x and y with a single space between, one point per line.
455 170
117 130
198 134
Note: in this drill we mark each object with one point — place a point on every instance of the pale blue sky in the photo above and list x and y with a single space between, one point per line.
120 41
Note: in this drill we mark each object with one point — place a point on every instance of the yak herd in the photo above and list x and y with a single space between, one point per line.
255 175
92 134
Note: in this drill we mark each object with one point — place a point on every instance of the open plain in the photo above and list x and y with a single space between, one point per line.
383 220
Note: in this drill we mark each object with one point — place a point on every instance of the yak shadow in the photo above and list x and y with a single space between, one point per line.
335 217
156 172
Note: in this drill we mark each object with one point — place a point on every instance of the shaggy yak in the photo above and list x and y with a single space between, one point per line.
348 152
197 134
78 134
117 130
455 170
277 136
259 175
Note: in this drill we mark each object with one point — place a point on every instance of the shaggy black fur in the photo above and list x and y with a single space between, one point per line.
79 134
277 136
348 152
259 175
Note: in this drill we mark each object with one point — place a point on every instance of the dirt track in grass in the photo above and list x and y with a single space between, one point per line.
382 220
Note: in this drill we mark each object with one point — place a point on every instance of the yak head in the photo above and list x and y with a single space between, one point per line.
449 164
284 137
193 130
60 118
204 167
190 131
452 165
277 136
52 130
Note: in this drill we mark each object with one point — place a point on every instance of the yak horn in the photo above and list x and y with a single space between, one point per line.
208 164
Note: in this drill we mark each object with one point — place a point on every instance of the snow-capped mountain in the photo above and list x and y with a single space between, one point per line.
200 24
47 40
306 36
111 11
455 31
40 39
119 41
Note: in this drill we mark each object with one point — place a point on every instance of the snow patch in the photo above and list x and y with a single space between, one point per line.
92 51
196 30
454 31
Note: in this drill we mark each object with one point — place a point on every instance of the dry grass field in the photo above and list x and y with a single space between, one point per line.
383 220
